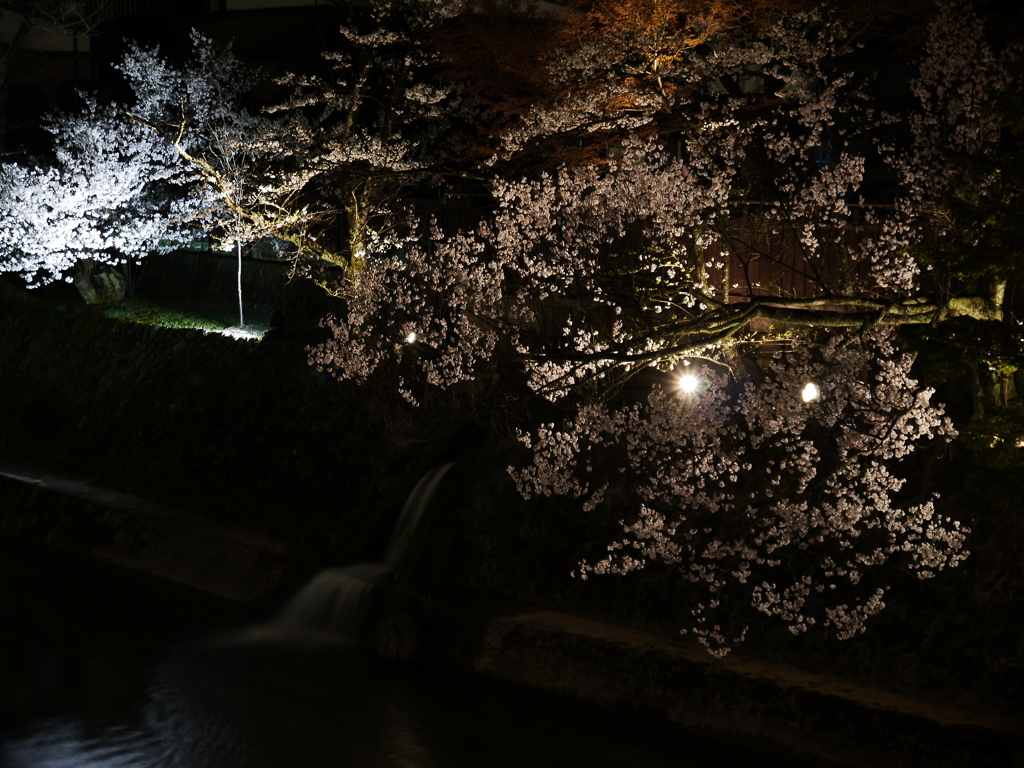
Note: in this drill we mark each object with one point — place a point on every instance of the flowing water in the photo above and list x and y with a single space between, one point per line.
337 600
99 669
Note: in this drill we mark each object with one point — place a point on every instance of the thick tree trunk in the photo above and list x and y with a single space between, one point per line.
357 219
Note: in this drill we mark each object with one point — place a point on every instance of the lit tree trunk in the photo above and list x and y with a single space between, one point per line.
357 219
241 317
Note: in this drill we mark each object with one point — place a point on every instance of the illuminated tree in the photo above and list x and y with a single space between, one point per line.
251 185
344 144
764 501
128 182
777 495
377 122
113 192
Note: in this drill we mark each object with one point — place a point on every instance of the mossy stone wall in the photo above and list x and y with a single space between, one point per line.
245 432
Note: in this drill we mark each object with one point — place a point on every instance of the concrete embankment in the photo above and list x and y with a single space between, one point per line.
770 708
766 707
142 536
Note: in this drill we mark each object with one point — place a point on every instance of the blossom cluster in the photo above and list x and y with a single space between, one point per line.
562 278
765 501
104 198
758 497
715 145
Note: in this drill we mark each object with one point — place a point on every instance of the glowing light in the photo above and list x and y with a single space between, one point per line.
241 332
411 337
689 383
810 392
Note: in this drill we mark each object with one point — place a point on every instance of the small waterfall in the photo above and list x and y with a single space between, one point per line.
413 510
337 600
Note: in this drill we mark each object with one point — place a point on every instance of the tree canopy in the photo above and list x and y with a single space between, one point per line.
742 195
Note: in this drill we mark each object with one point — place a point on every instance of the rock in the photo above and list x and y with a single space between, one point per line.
99 283
276 331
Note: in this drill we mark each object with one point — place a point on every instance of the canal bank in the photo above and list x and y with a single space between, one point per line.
770 708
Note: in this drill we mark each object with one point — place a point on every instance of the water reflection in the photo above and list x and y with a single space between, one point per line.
100 670
261 697
266 697
252 698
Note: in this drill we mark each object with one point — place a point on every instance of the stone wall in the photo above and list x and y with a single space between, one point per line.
245 432
213 277
161 541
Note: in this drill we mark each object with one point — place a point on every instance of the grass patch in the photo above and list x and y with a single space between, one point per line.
182 314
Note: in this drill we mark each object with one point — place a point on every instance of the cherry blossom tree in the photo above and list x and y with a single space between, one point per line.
761 499
132 180
113 192
377 121
776 495
585 278
250 185
342 144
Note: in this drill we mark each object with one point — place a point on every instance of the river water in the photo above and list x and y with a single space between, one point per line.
102 670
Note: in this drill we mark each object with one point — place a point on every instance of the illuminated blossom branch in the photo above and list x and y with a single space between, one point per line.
757 497
540 265
771 497
585 274
605 269
252 185
113 192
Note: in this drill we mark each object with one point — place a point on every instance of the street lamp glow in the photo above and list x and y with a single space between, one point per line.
689 383
411 337
810 392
